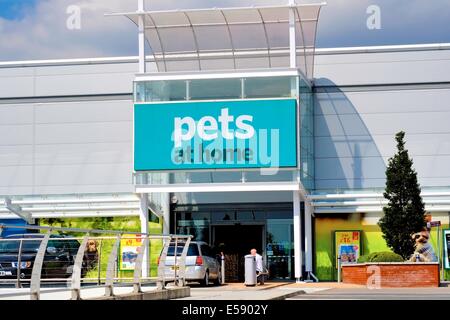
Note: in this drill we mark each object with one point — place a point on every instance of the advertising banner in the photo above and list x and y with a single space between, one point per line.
130 245
215 135
447 249
347 245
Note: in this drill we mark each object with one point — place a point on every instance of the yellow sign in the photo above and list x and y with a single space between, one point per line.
130 245
347 245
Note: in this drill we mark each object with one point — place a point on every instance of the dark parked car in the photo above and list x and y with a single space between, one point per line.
58 260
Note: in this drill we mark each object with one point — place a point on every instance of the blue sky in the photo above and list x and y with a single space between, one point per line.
36 29
15 9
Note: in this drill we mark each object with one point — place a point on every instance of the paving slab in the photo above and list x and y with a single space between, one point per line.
268 291
441 293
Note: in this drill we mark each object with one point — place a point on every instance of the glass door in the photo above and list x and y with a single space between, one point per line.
280 248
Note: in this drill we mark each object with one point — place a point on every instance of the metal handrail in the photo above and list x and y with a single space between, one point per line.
74 282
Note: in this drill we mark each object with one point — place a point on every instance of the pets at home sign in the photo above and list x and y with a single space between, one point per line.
347 245
215 135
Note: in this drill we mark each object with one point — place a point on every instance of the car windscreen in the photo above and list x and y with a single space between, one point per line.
192 250
12 246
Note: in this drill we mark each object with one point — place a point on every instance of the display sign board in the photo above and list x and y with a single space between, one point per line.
447 249
215 135
347 245
130 245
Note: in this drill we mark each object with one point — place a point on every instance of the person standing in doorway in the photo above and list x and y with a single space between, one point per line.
259 266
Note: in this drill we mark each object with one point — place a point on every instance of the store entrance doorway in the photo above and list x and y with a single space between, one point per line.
236 241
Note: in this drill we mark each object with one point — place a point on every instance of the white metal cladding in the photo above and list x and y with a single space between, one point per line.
196 35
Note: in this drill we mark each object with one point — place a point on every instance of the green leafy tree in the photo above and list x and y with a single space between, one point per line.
405 211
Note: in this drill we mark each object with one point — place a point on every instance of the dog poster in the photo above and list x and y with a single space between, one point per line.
447 249
347 244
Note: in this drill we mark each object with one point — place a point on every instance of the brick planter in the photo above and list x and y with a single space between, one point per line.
393 274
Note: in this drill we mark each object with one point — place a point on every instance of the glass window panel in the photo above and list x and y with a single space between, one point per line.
259 215
232 176
245 215
217 216
280 214
280 248
215 89
192 250
251 215
267 87
165 90
139 91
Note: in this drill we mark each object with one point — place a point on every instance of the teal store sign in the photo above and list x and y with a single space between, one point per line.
215 135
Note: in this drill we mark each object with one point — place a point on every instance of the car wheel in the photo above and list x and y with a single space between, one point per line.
205 281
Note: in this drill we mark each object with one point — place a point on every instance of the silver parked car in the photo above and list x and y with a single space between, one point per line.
201 264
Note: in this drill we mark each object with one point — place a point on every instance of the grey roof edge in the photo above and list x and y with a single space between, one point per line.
134 59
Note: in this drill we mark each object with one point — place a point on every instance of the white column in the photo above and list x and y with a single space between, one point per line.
141 36
292 39
143 216
165 204
308 237
297 237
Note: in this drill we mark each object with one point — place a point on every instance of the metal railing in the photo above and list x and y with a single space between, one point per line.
87 258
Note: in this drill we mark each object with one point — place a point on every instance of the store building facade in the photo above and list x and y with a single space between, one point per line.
98 137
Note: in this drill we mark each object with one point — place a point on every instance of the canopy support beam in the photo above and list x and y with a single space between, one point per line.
16 209
141 36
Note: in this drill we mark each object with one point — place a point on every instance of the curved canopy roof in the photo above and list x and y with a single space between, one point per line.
230 38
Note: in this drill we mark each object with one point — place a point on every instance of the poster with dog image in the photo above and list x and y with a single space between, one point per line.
347 244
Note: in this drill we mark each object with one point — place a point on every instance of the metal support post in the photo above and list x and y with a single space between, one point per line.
143 215
109 282
298 259
292 37
35 285
141 36
339 269
308 238
77 267
222 258
138 266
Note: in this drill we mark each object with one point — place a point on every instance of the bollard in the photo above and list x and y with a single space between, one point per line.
339 269
222 257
